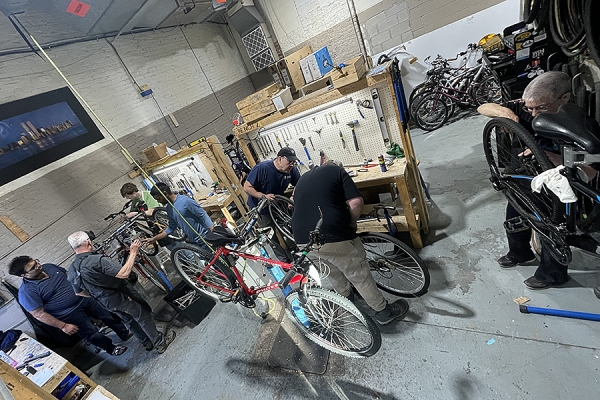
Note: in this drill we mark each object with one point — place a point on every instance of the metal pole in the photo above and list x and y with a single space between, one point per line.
359 35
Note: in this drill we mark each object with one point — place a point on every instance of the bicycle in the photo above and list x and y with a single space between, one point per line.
396 267
512 170
324 317
117 244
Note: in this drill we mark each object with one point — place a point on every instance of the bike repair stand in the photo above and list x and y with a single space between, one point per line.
559 313
291 349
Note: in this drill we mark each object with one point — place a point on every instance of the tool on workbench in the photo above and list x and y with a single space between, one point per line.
31 358
352 124
311 143
343 141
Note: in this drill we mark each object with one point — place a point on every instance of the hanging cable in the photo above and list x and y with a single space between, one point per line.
592 29
567 26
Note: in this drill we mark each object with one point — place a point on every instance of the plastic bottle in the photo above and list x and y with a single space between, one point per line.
382 163
299 311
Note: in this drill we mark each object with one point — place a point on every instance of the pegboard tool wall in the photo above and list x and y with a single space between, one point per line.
323 117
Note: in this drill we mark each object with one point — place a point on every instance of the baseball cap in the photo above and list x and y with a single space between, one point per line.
288 153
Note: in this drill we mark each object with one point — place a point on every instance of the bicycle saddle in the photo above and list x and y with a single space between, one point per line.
221 237
569 124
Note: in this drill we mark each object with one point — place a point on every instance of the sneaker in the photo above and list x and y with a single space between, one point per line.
118 350
167 340
508 261
148 344
534 283
392 311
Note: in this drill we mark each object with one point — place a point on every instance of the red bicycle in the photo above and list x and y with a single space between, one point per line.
328 319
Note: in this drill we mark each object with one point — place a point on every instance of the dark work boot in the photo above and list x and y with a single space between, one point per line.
392 311
509 261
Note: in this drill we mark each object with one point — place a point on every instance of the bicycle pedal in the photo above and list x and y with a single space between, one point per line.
226 299
516 224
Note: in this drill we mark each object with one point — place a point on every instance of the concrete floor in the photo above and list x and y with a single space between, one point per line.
465 339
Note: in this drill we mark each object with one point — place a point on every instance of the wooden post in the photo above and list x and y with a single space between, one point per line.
20 386
414 180
242 140
211 147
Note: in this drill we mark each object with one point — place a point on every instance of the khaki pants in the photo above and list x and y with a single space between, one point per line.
349 267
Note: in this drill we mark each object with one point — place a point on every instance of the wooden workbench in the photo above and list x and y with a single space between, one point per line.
404 173
396 174
218 202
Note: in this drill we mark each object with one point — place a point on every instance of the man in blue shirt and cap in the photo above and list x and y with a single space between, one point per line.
269 178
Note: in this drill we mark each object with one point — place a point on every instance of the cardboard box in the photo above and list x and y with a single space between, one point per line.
306 71
263 94
282 99
353 71
290 70
274 72
321 83
155 153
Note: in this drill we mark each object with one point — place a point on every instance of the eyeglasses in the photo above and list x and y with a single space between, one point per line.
542 108
35 267
291 162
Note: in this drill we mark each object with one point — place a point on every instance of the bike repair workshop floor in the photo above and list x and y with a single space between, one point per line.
464 339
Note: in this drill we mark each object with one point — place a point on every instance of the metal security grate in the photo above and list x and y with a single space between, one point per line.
263 60
255 42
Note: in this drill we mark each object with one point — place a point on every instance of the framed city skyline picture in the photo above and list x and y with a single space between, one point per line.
41 129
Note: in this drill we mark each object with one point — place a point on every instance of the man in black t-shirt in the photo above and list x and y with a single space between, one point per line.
331 189
544 94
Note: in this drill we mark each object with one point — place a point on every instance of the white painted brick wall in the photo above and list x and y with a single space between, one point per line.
161 59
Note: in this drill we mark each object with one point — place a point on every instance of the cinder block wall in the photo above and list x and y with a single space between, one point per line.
385 23
199 83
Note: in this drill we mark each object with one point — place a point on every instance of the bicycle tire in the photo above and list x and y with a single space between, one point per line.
338 312
592 31
281 214
396 268
161 219
142 232
185 258
147 268
481 92
447 100
515 165
426 106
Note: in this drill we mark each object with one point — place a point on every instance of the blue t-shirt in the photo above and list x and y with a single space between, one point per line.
265 178
55 294
195 215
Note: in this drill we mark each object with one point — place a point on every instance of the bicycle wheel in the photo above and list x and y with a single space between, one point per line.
396 268
333 322
281 211
488 91
147 268
141 232
161 220
431 112
503 142
190 262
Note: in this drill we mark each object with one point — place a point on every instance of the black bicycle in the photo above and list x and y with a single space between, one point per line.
515 158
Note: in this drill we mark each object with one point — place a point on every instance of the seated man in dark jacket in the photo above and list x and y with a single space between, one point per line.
49 297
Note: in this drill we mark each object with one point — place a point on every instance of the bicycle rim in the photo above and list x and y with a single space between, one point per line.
431 112
190 262
149 249
281 213
503 141
396 268
333 322
147 268
489 91
161 220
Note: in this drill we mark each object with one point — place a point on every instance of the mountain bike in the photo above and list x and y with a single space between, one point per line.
117 244
396 267
324 317
515 158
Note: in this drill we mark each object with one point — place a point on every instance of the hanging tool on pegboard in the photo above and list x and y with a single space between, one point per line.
352 124
343 141
311 143
278 141
399 92
363 104
310 161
